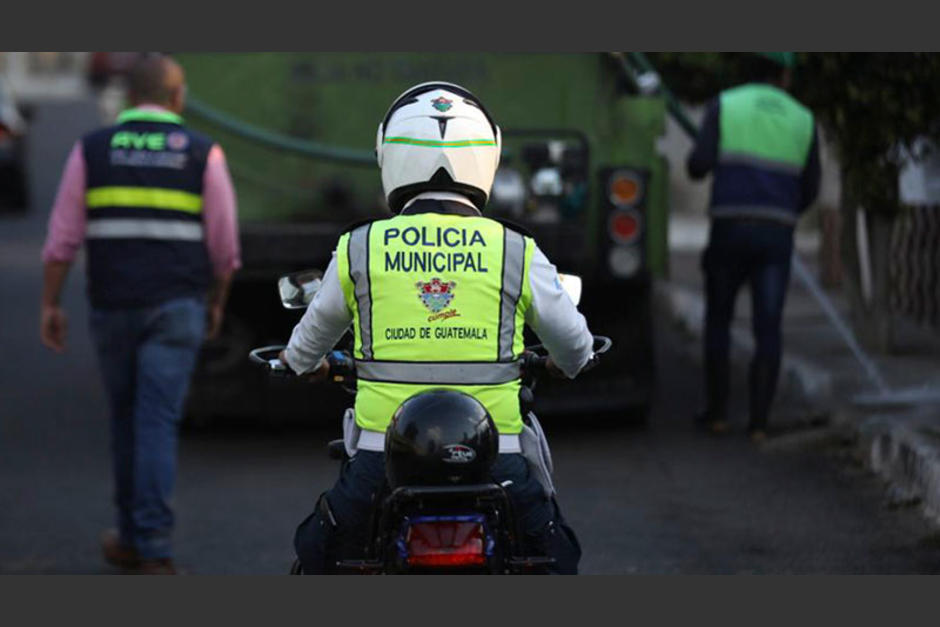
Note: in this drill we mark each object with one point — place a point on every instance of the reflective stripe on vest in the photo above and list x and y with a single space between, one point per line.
763 212
513 263
729 157
358 255
147 197
128 228
439 372
438 301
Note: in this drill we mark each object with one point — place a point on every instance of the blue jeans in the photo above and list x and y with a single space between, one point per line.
757 252
147 358
351 500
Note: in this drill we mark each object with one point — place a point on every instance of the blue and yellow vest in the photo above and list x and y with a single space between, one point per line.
764 145
144 236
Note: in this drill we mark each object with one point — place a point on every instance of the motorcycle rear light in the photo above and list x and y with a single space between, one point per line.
446 543
447 560
624 226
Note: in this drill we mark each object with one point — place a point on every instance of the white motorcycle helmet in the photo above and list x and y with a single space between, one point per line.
437 136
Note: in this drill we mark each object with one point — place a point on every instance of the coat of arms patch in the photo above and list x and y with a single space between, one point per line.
436 294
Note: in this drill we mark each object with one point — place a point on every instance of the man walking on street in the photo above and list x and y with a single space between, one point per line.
762 148
154 204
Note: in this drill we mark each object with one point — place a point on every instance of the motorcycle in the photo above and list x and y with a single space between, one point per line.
424 527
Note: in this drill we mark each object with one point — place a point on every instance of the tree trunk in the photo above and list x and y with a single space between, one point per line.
830 250
871 316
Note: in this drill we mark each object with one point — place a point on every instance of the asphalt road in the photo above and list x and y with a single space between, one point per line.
665 499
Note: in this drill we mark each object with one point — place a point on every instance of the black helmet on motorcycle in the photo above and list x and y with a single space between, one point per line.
440 437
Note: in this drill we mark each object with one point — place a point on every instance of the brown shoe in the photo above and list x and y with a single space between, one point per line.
116 553
718 427
757 436
156 567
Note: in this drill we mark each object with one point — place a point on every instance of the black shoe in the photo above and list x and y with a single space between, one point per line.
715 416
762 380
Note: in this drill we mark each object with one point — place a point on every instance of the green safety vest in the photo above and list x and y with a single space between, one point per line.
763 124
765 138
438 301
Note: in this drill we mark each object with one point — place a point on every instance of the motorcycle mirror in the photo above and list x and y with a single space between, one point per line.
298 288
571 284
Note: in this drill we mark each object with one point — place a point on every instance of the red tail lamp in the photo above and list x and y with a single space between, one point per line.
446 543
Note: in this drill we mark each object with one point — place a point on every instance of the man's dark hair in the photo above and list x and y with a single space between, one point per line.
151 79
759 69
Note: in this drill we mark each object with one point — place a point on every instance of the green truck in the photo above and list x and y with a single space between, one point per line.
579 170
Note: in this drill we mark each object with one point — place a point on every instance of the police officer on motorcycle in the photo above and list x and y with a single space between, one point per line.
437 296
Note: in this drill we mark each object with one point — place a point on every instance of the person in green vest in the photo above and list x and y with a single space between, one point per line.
438 297
762 149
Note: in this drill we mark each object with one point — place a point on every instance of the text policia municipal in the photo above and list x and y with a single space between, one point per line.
434 261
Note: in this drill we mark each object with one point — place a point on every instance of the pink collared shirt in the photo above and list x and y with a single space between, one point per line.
67 222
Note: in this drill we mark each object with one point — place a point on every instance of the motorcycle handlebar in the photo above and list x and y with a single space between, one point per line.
343 366
267 358
535 363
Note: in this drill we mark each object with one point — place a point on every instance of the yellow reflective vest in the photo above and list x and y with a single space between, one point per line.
438 301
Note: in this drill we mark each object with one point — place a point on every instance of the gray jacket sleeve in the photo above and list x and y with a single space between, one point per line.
326 319
555 318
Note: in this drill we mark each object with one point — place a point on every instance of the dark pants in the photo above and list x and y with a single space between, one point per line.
319 543
739 251
147 357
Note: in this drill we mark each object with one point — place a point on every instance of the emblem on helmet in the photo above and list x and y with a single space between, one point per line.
459 454
442 104
436 294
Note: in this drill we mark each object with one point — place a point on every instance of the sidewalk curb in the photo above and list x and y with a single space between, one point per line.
800 379
902 448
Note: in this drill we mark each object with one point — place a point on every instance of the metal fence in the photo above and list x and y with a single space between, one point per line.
915 265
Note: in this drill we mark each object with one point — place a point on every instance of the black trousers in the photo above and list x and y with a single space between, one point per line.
319 542
757 252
